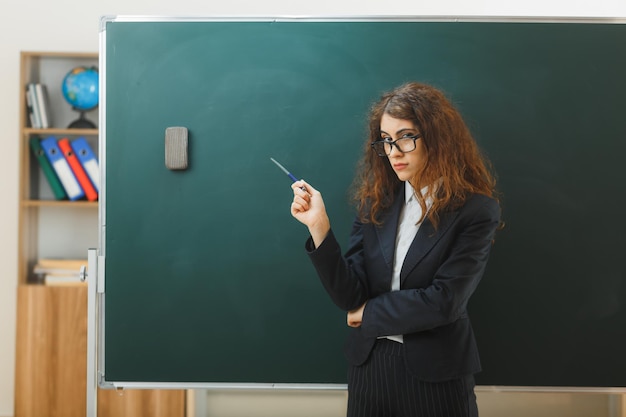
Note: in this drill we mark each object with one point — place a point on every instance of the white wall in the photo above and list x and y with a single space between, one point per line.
66 25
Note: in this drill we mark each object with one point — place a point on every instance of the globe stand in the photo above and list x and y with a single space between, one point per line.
82 122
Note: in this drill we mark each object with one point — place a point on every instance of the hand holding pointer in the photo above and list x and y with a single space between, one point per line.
309 209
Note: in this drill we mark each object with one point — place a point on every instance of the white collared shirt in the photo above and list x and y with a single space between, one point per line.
407 229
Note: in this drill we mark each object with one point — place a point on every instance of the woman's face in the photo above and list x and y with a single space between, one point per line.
405 164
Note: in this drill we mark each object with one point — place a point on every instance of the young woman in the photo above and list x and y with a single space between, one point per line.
426 221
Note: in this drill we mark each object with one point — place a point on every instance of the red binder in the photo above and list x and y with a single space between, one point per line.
77 168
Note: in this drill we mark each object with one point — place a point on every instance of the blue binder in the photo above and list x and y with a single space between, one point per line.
62 168
88 159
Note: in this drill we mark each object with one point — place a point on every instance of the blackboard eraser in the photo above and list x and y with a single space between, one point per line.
176 148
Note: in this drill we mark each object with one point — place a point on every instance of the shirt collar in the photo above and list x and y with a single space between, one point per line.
409 192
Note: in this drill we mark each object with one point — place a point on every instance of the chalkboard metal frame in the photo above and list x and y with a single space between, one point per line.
97 285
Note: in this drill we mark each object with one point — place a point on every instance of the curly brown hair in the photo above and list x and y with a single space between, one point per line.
453 161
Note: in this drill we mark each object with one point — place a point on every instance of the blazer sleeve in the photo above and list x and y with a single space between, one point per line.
455 265
343 277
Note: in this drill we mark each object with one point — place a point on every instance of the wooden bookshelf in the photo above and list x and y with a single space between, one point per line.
42 218
51 340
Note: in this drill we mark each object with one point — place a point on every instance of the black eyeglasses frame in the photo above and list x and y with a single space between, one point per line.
381 144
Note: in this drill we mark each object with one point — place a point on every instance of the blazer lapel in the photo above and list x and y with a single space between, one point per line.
387 231
425 239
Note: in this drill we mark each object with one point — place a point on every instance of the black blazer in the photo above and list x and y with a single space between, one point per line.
441 271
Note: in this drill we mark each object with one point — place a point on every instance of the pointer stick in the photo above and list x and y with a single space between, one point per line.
289 174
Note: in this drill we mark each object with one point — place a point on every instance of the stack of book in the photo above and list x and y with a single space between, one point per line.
59 271
38 107
70 167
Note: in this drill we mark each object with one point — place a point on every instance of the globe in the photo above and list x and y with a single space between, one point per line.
80 90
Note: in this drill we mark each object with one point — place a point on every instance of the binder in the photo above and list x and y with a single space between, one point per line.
77 169
32 94
88 159
48 171
62 168
29 108
42 105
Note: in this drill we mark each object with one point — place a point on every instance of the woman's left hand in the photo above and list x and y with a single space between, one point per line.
355 317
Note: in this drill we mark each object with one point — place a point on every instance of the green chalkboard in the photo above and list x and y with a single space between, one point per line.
206 278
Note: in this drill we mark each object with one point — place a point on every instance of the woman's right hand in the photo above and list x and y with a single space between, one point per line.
309 209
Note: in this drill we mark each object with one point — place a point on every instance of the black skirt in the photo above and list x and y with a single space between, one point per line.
382 387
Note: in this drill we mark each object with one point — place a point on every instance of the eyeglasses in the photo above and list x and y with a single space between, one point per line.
404 144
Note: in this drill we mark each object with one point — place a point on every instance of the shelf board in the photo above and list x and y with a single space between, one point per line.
55 203
60 131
